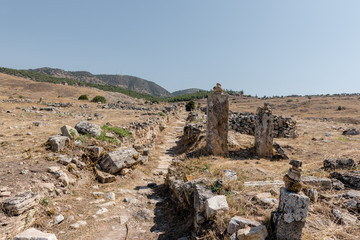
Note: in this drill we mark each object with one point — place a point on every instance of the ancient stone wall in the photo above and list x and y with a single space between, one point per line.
245 123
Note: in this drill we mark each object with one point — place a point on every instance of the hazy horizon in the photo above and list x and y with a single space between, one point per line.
270 48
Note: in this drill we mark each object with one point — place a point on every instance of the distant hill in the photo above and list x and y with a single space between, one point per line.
187 91
123 81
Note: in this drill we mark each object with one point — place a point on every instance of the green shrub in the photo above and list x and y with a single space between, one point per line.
103 137
161 114
83 97
119 131
190 106
99 99
289 100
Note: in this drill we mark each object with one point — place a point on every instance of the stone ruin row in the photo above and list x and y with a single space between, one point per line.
243 122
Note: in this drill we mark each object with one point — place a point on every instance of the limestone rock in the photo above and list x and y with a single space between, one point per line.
84 127
201 194
230 175
237 223
69 132
264 127
350 132
323 183
20 203
59 218
57 143
217 124
252 233
334 164
192 132
290 217
350 179
312 193
64 160
114 162
104 177
214 205
34 234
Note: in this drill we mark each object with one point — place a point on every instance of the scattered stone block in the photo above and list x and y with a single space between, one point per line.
252 233
217 125
214 205
84 127
230 175
20 203
104 177
343 218
264 127
237 223
290 217
353 194
337 185
201 194
350 132
350 179
59 218
39 124
114 162
58 143
69 132
34 234
323 183
312 193
333 164
280 153
64 160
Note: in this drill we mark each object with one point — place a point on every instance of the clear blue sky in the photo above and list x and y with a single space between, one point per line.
262 47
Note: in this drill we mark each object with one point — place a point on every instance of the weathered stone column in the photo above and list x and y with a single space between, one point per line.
217 122
264 127
290 217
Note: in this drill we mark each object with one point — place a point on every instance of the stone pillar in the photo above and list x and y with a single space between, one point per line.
217 122
264 127
290 217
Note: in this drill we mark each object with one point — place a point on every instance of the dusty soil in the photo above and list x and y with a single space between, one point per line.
148 213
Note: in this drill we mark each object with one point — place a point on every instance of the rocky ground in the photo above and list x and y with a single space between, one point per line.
138 204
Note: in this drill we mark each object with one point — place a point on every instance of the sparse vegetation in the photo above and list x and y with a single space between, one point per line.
119 131
97 99
103 137
83 97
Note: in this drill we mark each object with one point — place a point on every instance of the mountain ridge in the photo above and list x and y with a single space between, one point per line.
125 81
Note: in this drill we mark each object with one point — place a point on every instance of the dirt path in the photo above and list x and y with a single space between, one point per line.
142 210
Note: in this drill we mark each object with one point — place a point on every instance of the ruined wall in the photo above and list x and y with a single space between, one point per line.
245 123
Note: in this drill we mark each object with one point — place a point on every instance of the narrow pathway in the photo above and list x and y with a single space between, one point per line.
142 211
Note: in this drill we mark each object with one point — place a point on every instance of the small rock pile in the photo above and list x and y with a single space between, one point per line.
293 178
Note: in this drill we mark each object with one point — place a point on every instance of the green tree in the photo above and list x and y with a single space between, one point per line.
190 106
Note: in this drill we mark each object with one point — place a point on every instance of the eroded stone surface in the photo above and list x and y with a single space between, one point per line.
85 127
217 123
20 203
290 217
264 127
115 161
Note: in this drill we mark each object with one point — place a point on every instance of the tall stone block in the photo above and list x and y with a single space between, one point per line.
264 127
217 122
290 217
